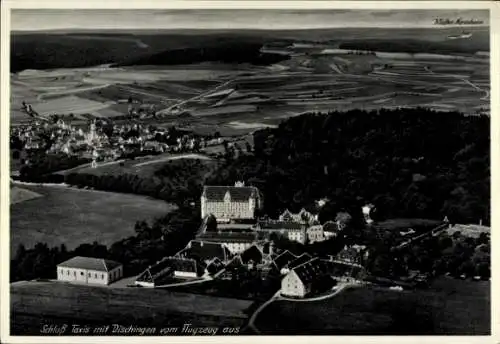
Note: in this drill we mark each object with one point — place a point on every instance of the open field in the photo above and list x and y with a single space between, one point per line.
36 303
449 307
72 217
18 195
429 70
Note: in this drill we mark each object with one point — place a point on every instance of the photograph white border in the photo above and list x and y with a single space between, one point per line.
175 4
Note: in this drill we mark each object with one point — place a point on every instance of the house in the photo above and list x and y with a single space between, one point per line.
354 254
300 281
252 255
170 268
303 216
234 241
88 270
315 234
294 231
317 275
284 259
226 203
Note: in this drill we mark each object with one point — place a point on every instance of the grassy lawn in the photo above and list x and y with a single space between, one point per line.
36 303
73 217
449 307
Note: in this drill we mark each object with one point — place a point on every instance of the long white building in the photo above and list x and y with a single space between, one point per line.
87 270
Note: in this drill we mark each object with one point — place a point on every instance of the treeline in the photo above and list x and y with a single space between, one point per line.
415 163
455 254
153 241
41 165
239 52
178 181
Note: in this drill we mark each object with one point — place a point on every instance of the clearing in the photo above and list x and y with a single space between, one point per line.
72 217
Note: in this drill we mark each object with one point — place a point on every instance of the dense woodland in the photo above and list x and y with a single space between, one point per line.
407 162
223 52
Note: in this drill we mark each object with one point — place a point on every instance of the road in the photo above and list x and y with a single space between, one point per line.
173 157
197 97
278 296
114 162
466 81
432 232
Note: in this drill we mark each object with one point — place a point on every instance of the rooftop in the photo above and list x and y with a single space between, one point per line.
280 225
237 193
207 251
88 263
221 237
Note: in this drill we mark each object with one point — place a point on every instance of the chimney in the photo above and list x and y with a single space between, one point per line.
480 222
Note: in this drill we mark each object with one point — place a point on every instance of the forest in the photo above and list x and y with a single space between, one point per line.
410 163
222 52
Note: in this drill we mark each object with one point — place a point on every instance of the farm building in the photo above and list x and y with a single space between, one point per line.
206 252
318 275
293 231
89 271
306 278
226 203
235 242
169 268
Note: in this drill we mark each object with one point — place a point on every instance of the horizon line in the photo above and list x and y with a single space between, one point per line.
437 27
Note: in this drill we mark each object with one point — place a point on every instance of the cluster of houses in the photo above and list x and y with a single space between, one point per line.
93 143
241 239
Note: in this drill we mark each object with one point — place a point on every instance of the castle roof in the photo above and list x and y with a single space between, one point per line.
237 193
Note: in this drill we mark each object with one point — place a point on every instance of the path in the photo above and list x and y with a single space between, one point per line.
71 91
468 82
173 157
278 296
201 95
251 322
114 162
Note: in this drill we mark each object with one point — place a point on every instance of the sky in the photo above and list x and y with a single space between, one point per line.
51 19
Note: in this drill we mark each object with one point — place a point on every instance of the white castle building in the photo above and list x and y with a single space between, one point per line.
226 203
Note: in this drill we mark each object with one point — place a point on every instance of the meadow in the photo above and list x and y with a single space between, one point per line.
36 303
449 307
63 215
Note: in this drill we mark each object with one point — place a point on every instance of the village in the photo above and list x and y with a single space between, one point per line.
101 141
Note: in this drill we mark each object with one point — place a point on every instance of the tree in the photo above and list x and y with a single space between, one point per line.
343 219
211 223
